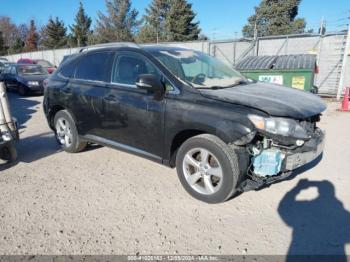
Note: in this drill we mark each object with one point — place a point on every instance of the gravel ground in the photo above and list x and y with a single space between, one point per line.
103 201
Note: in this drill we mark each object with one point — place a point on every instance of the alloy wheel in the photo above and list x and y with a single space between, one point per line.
203 171
63 132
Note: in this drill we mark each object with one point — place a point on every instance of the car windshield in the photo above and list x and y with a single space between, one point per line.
198 69
44 63
31 70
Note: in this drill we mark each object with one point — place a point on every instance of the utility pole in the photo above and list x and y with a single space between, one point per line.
320 44
322 26
235 48
255 31
344 64
255 40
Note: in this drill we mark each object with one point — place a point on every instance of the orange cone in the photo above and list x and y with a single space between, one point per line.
345 103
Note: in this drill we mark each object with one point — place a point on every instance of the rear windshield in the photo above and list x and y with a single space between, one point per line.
31 70
44 63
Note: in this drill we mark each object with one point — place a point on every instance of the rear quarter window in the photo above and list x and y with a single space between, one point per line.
68 69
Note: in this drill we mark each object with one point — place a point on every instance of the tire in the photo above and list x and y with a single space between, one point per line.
6 86
196 177
8 152
66 133
22 90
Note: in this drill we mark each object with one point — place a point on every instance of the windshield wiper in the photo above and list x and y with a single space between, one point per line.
188 82
234 84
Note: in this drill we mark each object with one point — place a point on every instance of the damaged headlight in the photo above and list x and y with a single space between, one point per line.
279 126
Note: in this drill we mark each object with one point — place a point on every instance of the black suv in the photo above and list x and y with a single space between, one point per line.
184 109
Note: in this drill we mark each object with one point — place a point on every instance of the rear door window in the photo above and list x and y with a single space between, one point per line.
95 67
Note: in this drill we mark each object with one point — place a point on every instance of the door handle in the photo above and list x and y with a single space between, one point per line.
66 90
111 99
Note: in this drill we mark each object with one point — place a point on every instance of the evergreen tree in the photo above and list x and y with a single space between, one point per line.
119 25
81 28
55 34
147 34
18 46
93 39
23 31
275 17
154 29
179 22
42 37
32 39
3 48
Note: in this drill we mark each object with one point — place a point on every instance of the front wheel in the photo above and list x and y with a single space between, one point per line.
22 90
6 86
208 168
66 133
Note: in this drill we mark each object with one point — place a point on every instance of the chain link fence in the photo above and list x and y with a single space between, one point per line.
329 49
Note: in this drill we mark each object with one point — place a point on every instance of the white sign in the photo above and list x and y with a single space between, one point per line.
277 79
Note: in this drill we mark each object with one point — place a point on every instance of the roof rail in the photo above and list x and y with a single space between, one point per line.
115 44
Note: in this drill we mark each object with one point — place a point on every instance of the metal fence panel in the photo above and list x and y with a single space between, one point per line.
329 50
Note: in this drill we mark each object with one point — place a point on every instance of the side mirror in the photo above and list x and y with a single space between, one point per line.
151 83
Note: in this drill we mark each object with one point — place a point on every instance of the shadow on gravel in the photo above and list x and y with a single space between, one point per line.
22 108
6 165
30 149
321 226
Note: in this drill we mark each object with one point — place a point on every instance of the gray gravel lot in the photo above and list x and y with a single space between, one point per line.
103 201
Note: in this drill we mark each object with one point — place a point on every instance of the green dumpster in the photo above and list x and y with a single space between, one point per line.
295 71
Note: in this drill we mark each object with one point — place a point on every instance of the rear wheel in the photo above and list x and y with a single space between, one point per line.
66 133
208 168
8 152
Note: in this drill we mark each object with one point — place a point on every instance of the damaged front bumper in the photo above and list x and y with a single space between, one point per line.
293 159
302 157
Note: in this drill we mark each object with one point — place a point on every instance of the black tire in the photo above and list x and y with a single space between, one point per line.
8 152
6 86
22 90
76 144
227 157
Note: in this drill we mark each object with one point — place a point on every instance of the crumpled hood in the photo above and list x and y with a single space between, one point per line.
273 99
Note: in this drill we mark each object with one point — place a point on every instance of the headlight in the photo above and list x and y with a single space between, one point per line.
33 83
279 126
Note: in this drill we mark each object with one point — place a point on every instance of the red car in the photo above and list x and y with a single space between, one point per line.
44 63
